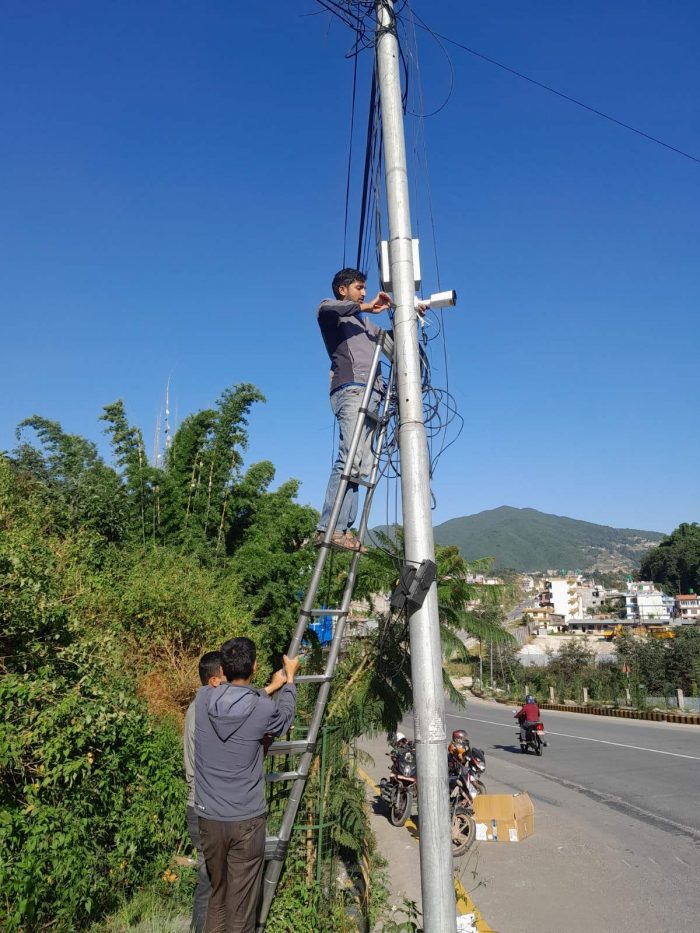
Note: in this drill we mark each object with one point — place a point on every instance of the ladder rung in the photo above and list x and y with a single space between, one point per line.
273 776
358 480
275 848
319 613
312 679
296 747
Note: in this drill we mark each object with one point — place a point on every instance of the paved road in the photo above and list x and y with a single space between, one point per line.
617 826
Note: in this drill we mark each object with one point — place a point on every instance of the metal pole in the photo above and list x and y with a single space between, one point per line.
436 868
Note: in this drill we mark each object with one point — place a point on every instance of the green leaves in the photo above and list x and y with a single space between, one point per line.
675 564
91 798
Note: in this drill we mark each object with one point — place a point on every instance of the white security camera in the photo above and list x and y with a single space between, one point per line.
440 300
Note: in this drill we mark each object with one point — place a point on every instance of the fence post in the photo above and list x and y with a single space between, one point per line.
680 698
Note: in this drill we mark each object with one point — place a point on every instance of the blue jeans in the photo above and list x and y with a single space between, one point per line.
346 406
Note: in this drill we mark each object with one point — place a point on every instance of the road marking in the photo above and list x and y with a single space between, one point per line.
583 738
464 903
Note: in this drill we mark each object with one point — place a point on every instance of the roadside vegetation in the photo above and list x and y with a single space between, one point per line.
114 580
648 667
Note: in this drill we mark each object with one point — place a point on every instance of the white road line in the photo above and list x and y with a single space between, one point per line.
583 738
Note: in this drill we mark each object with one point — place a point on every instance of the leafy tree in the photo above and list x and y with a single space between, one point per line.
86 492
374 681
674 565
203 469
572 659
127 442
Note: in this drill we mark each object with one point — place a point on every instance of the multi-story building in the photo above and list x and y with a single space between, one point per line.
562 598
687 607
539 615
645 604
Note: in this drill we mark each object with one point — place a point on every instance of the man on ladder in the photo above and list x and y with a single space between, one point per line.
350 341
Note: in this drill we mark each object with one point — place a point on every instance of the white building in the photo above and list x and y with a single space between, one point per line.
562 598
687 607
645 604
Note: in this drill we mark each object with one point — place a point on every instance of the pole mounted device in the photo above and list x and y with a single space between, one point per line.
437 885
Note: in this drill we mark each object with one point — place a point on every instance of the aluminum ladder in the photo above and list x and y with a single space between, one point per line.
276 847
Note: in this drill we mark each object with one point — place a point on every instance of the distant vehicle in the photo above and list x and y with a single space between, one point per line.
662 632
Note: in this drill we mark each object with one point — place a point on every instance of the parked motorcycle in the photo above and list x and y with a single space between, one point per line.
463 755
477 766
463 791
398 790
534 737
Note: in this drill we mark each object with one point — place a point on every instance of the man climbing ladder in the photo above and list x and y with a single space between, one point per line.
350 341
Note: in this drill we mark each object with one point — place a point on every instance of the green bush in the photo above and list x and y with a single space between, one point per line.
91 805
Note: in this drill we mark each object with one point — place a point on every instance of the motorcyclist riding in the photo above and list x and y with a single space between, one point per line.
528 712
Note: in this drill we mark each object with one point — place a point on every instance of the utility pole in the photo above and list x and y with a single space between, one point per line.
436 869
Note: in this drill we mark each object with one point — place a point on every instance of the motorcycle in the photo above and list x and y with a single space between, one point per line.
398 790
463 791
534 737
474 760
477 766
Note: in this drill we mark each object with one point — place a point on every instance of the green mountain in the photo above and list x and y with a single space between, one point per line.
528 540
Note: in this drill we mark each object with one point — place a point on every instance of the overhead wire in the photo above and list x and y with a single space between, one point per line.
557 93
349 172
440 409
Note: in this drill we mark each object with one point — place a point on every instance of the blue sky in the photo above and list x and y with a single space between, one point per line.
173 187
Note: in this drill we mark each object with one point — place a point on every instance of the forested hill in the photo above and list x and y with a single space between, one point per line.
528 540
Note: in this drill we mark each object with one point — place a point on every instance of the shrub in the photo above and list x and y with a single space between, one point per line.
91 805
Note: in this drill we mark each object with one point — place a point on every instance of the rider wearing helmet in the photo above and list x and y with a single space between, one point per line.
458 749
528 712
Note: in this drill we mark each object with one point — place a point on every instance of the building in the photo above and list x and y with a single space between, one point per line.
538 616
644 604
562 598
687 608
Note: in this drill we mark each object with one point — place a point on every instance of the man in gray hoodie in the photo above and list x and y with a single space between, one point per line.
231 722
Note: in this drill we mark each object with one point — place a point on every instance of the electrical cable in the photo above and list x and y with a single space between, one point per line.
546 87
371 130
347 184
439 406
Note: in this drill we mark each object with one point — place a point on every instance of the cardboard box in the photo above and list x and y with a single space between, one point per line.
504 817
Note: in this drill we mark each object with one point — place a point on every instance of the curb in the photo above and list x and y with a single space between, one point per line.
690 719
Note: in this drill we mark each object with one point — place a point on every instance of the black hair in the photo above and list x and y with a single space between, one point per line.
238 658
209 666
346 277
